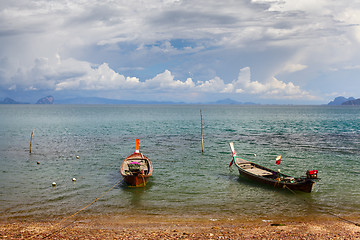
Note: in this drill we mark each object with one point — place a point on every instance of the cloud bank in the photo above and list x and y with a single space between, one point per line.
259 50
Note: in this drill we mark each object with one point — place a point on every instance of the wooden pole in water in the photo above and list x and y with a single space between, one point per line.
202 137
32 134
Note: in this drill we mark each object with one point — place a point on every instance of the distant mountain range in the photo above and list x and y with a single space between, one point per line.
96 100
230 101
338 101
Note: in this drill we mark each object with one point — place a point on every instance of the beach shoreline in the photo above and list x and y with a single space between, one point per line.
162 227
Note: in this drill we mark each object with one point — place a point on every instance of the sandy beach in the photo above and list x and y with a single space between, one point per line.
184 228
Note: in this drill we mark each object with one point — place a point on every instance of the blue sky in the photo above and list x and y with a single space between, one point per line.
264 51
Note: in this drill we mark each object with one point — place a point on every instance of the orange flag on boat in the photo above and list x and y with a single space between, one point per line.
137 145
278 160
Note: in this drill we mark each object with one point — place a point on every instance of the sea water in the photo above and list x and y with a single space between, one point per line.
185 181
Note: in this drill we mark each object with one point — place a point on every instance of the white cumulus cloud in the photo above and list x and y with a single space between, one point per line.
166 80
290 45
272 88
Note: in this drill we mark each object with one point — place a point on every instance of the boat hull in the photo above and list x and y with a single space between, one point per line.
140 178
136 181
305 186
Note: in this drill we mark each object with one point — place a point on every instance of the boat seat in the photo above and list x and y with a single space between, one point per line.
246 166
260 172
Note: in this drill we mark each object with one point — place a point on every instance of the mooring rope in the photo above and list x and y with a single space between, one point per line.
325 211
82 209
143 178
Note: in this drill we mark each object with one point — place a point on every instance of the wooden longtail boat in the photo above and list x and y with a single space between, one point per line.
270 177
136 168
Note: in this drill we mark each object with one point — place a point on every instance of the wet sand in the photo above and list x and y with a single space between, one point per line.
137 227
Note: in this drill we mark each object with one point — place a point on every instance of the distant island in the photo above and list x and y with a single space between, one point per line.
342 101
351 102
11 101
46 100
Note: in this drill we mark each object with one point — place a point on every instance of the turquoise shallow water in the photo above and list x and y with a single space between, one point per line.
185 182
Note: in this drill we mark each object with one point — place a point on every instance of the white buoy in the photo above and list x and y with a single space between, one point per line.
254 154
54 184
77 157
74 179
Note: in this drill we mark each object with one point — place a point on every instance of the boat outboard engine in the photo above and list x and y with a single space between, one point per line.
312 174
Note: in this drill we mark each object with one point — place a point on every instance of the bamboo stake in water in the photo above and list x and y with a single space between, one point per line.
32 134
202 137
